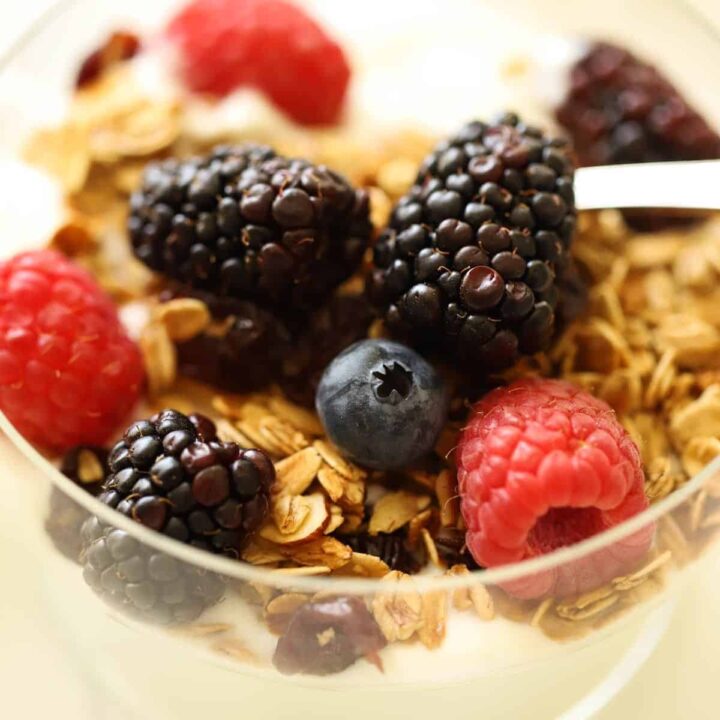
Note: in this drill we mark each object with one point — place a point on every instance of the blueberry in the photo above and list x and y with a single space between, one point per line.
382 404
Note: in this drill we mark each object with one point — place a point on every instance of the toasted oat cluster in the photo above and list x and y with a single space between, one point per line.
648 345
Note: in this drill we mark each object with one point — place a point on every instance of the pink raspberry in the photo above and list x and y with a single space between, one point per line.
541 465
271 45
69 374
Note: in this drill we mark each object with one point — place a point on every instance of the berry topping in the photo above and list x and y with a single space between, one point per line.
382 404
620 109
327 636
476 253
246 223
541 465
244 349
172 474
87 467
142 582
119 46
68 372
271 45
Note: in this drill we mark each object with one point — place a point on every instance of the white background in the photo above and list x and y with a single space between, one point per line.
678 683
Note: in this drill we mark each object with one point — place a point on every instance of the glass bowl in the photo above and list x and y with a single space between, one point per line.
478 646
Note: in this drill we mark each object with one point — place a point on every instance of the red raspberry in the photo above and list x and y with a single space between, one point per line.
271 45
68 372
541 465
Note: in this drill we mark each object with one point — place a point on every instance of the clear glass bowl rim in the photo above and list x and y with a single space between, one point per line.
356 586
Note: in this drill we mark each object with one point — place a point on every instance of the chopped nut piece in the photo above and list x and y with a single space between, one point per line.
326 551
312 526
475 596
348 493
364 565
434 619
336 519
295 474
160 358
300 418
289 512
90 467
283 435
261 552
336 461
280 610
399 611
228 432
395 510
183 318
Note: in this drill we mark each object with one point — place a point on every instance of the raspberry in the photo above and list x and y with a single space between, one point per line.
68 372
271 45
541 465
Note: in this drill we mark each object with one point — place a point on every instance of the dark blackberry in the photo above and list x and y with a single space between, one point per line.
246 223
87 467
173 475
468 264
328 635
318 340
620 109
142 582
243 350
391 548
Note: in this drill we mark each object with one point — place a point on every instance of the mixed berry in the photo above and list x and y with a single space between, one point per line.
472 262
401 337
382 404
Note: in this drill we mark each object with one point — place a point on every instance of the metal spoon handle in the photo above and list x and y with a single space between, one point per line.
690 185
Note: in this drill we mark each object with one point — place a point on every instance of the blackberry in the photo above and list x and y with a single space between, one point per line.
173 475
620 109
328 635
244 349
343 320
246 223
87 467
391 548
142 582
467 266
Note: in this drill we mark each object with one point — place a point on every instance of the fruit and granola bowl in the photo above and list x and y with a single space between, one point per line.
343 399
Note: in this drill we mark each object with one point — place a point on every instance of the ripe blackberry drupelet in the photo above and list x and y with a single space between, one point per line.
244 222
619 109
173 475
143 582
468 264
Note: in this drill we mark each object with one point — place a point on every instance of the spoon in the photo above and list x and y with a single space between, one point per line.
693 185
